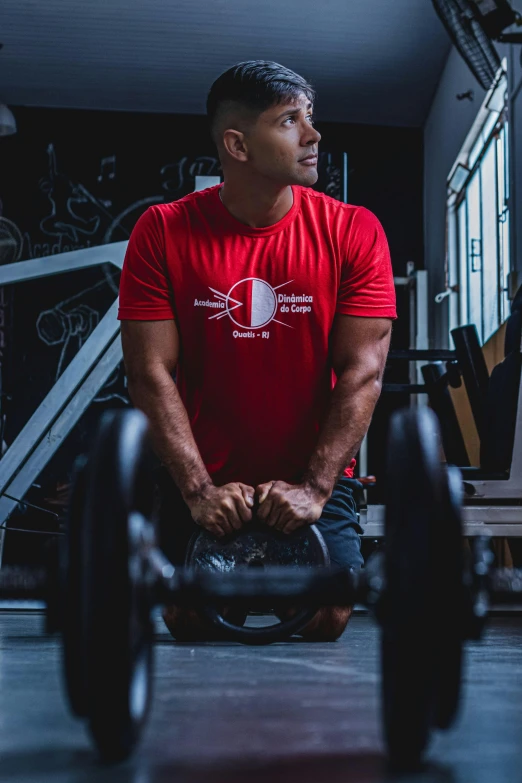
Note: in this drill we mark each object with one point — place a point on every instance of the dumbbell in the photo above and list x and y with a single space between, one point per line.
112 574
257 546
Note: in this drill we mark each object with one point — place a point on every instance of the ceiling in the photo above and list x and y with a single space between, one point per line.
371 61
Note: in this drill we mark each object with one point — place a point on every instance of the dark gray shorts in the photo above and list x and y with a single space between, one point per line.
338 524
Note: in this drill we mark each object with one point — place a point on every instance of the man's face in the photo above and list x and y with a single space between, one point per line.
281 139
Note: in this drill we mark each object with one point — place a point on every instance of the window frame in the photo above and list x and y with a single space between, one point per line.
491 127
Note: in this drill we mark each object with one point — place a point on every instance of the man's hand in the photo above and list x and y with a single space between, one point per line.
288 507
221 510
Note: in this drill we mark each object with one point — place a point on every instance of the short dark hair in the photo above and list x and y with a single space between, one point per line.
254 86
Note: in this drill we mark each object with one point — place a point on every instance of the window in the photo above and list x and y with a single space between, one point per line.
478 220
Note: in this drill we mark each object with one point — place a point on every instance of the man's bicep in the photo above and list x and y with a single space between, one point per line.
357 341
149 345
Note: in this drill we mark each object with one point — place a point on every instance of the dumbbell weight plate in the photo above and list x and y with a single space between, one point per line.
73 616
421 644
257 546
119 494
452 604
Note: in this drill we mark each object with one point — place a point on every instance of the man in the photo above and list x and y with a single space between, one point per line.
254 291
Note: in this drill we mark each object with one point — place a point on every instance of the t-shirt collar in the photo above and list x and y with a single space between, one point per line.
230 222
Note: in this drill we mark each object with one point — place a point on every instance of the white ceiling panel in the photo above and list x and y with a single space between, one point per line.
371 61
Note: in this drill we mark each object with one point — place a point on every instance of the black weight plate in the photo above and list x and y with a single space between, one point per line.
452 609
413 620
73 616
257 546
119 628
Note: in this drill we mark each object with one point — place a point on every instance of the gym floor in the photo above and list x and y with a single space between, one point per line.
292 711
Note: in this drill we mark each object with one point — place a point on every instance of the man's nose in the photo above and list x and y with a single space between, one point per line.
312 137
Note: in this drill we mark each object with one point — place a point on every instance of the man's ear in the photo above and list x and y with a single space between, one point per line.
234 144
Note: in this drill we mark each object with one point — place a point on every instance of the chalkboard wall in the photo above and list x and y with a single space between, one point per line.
74 179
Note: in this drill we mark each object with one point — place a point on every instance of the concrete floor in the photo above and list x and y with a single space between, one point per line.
289 712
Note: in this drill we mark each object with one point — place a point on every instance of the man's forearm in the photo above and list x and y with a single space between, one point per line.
352 404
171 434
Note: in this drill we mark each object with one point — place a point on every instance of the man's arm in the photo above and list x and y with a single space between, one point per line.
151 351
358 350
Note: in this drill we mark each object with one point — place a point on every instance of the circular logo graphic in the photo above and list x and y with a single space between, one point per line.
251 303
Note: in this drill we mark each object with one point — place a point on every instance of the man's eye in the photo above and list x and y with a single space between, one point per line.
309 116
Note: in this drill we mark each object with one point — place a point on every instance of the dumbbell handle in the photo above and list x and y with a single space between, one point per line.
284 586
324 586
281 585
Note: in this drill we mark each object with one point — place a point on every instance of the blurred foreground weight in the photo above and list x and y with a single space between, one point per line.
112 574
424 609
107 598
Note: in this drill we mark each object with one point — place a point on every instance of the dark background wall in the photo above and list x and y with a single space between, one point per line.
73 179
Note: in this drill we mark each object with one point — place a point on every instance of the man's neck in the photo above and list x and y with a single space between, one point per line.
255 209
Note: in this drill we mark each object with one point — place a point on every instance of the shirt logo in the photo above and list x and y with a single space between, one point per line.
253 303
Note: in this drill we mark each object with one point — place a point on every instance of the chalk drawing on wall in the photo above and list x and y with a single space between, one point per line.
76 214
175 175
107 173
69 324
11 241
67 202
122 225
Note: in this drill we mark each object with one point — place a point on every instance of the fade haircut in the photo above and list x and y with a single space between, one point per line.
250 88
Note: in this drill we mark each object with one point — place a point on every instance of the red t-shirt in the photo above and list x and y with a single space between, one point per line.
254 308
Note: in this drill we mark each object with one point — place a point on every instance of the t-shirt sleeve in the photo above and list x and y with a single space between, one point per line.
367 287
145 293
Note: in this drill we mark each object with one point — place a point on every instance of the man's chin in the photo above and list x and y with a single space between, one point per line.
306 178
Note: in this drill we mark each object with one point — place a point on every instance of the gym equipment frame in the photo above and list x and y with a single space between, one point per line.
74 390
